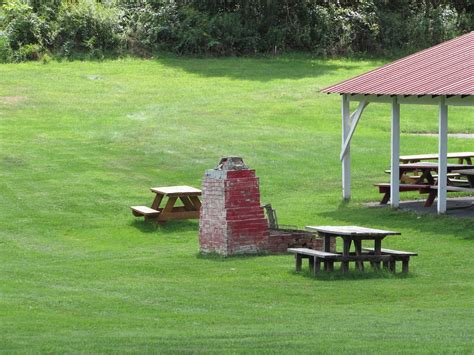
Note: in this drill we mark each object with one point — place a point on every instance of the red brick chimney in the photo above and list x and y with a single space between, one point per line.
232 220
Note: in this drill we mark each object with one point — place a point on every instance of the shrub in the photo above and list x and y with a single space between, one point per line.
21 25
149 27
87 26
6 53
28 52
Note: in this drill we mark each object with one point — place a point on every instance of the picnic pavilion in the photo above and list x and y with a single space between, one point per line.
442 75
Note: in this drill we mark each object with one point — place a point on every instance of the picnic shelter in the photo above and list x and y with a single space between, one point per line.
442 75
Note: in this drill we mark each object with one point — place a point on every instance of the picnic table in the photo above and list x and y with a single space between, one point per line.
468 173
355 234
461 156
189 197
424 180
426 169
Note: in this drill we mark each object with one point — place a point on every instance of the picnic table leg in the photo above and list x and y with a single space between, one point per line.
377 251
385 198
163 217
345 252
358 250
188 205
157 201
431 197
392 265
468 161
327 243
316 265
405 262
311 263
196 202
298 260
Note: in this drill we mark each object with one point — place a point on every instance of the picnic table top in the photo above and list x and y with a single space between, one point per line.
176 190
352 231
464 171
433 166
435 156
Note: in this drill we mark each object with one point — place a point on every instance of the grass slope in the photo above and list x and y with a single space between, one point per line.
81 141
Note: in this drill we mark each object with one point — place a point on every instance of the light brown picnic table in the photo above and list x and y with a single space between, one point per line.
189 196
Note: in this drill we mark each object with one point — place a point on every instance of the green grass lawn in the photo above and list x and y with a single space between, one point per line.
82 141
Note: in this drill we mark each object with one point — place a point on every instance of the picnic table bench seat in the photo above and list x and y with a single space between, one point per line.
384 188
434 192
396 255
315 257
144 211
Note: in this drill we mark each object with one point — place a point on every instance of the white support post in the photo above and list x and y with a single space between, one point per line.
443 155
346 159
354 120
395 156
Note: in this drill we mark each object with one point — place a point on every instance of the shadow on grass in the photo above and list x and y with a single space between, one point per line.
168 227
386 218
353 275
263 68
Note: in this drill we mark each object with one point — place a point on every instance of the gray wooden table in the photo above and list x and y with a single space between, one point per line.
354 234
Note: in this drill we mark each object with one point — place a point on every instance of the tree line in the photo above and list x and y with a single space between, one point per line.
38 29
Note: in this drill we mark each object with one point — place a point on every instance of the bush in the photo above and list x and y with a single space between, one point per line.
148 28
87 26
6 53
22 26
28 52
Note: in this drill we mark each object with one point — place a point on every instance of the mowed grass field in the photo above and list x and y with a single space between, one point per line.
82 141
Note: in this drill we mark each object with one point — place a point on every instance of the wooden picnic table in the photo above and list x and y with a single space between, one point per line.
354 234
189 196
426 169
468 173
461 156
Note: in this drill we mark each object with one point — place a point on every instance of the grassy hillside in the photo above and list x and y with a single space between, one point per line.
81 141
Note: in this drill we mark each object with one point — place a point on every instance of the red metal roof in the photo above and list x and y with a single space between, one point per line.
445 69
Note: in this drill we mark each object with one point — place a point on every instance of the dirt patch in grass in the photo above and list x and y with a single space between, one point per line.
12 100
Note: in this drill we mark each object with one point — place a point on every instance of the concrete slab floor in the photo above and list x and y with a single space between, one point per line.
462 207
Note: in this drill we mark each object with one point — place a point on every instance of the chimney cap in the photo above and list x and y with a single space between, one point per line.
231 163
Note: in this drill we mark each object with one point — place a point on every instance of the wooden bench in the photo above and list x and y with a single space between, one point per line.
315 257
396 255
385 189
434 192
147 212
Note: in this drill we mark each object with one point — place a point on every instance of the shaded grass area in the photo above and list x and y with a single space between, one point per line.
80 142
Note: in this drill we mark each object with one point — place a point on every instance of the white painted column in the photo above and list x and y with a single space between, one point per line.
346 159
395 156
443 155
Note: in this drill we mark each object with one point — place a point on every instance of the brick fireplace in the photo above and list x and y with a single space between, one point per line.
233 222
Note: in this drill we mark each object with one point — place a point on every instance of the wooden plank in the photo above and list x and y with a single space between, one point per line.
394 252
180 215
420 157
454 189
311 252
156 202
177 190
144 211
188 205
351 230
196 202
